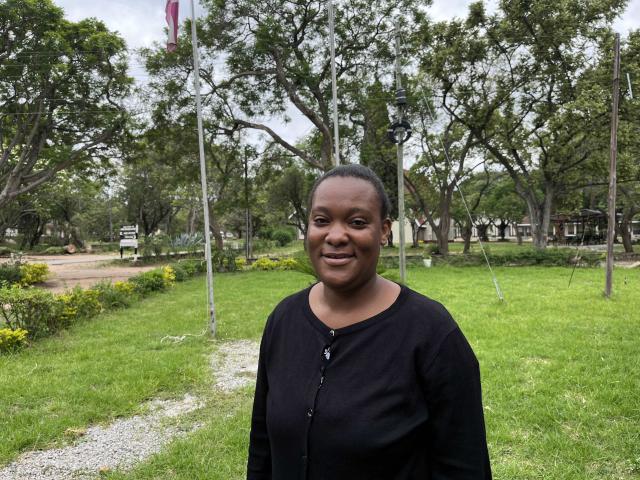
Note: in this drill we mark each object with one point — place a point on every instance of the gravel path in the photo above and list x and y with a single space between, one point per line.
125 442
235 365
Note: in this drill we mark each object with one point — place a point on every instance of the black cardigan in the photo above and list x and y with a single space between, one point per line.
396 396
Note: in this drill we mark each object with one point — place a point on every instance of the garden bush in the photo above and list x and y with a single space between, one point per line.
283 236
117 295
79 304
261 245
192 266
147 282
264 263
241 262
10 273
286 264
303 265
223 260
525 257
180 272
12 340
169 276
31 273
32 309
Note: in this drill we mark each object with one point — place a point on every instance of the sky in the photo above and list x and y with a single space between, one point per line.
141 23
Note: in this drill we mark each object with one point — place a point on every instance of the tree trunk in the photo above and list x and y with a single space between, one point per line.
414 233
502 230
442 234
193 212
625 232
215 231
466 236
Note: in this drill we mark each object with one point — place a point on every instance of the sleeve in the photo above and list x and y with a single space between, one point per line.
456 433
259 463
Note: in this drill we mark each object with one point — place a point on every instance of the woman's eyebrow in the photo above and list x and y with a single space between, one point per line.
351 211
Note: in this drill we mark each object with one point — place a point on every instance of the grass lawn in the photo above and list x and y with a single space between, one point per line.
560 366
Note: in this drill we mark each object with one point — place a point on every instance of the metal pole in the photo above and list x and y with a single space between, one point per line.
247 238
203 172
334 88
611 224
400 137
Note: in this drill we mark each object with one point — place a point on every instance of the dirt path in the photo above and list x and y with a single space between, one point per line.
128 441
84 270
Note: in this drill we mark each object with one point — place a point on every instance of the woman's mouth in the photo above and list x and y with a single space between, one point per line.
337 259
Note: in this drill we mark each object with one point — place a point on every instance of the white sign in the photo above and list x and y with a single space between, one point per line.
129 242
129 236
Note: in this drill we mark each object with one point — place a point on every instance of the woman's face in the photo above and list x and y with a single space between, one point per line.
345 232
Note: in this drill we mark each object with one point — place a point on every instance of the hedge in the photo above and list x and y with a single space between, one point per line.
32 313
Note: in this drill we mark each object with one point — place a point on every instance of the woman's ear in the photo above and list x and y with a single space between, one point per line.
386 230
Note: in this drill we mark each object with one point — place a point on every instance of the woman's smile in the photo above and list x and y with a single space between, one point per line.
336 259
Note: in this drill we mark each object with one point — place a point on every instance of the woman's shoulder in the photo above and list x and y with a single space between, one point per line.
428 317
290 302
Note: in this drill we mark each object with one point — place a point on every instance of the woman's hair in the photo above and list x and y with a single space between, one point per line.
356 171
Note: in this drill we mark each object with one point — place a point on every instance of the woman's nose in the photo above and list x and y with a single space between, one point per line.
337 234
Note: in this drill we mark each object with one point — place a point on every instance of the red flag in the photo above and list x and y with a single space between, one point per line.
172 20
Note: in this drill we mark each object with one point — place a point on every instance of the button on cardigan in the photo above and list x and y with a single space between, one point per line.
394 397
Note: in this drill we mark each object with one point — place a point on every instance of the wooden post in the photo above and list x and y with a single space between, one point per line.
611 225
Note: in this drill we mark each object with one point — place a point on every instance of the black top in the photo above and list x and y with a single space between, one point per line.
396 396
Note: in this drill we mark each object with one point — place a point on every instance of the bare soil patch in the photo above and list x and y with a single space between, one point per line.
84 270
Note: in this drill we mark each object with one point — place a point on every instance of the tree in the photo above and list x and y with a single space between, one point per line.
60 87
514 80
445 160
272 57
376 150
501 204
289 193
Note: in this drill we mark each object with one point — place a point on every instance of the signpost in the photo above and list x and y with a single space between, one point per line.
129 239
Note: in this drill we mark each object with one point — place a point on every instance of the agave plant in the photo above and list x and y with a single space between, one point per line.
190 243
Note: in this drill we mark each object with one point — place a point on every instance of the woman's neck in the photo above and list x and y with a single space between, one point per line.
338 309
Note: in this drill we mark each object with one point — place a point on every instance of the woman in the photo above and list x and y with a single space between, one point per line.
359 377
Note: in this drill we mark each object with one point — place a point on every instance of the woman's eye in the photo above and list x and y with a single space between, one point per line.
320 221
358 222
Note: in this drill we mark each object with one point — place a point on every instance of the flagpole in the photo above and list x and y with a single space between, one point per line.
203 171
334 88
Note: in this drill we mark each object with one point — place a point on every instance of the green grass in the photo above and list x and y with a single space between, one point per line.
560 369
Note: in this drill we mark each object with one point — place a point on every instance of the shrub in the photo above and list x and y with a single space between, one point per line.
549 257
303 265
264 263
12 340
286 264
261 245
32 309
79 304
193 266
190 243
147 282
10 273
433 249
31 273
180 272
169 276
283 236
241 262
117 295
